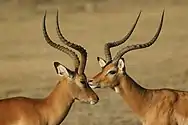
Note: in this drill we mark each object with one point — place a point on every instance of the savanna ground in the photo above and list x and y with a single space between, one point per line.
27 60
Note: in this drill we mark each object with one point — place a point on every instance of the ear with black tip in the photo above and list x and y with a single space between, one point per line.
62 70
121 64
101 61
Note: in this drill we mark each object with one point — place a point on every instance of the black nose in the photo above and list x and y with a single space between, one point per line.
97 98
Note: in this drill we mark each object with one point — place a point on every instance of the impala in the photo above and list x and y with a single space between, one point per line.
52 110
153 106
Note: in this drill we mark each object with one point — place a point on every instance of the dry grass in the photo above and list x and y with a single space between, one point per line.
26 60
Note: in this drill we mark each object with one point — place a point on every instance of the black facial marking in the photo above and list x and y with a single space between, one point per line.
83 82
112 72
107 64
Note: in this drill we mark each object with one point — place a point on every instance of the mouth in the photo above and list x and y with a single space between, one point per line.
94 86
91 102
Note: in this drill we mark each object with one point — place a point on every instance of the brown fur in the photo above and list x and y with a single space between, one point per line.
48 111
153 106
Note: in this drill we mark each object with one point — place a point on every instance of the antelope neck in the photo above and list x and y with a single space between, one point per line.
134 95
58 104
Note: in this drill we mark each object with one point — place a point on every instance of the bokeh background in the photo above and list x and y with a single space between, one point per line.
27 60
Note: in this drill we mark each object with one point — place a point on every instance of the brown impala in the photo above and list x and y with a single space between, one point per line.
52 110
153 106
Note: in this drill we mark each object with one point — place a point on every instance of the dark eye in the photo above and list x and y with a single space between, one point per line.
112 72
83 82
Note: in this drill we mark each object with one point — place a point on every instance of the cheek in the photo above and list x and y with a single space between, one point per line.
115 80
83 94
111 78
75 90
104 79
107 80
80 85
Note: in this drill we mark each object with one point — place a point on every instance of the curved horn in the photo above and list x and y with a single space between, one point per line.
139 46
79 48
59 47
109 45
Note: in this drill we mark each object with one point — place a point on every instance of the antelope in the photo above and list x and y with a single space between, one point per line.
152 106
53 109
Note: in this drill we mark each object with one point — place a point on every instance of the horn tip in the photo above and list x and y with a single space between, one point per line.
140 11
57 12
44 18
57 17
45 12
163 12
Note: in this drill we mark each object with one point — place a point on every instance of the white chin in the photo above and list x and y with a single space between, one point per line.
92 103
93 87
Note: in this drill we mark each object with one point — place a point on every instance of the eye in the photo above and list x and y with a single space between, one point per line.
83 82
112 72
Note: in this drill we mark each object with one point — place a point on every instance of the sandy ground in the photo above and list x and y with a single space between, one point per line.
27 61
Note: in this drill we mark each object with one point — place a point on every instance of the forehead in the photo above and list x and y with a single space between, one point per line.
82 77
109 67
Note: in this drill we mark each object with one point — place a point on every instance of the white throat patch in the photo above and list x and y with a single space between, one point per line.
117 90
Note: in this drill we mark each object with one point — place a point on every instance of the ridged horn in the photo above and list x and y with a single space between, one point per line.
69 52
79 48
109 45
139 46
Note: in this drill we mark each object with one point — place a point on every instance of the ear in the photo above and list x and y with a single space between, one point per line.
101 61
61 69
121 64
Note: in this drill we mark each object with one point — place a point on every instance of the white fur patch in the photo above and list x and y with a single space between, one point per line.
102 62
121 64
117 90
62 70
181 120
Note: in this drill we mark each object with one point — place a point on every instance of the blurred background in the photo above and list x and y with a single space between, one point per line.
27 60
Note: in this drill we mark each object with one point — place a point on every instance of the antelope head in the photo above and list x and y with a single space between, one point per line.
114 69
76 81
